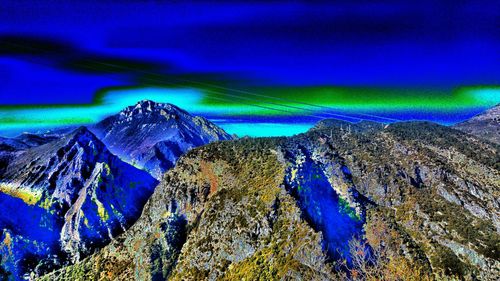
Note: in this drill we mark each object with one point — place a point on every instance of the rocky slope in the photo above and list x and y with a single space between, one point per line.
10 147
153 135
83 194
65 198
407 201
485 125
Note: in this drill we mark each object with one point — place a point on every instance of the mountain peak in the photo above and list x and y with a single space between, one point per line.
153 135
149 107
82 130
84 135
146 103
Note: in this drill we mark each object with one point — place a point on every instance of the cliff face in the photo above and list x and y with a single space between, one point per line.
152 136
485 125
65 198
358 201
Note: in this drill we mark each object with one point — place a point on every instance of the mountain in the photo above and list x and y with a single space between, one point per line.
152 136
485 125
32 140
10 147
74 195
344 201
26 140
63 199
11 144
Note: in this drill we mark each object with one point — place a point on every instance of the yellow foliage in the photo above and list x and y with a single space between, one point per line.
101 211
28 197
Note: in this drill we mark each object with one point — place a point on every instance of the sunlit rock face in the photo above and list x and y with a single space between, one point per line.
153 135
72 195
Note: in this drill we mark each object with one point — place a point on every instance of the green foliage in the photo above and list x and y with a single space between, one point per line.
346 209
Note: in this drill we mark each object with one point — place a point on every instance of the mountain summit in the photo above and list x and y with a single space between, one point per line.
152 136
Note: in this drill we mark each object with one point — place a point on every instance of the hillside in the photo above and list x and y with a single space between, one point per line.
485 125
74 195
407 201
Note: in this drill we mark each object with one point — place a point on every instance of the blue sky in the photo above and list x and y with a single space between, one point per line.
348 43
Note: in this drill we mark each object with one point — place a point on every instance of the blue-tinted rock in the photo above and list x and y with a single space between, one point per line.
88 194
153 135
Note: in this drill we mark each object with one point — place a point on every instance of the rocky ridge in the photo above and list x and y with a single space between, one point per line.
85 195
413 199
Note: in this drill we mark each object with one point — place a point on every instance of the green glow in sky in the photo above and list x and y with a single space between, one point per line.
261 102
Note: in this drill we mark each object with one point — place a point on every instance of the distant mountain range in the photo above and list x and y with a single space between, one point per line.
345 200
74 195
25 141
